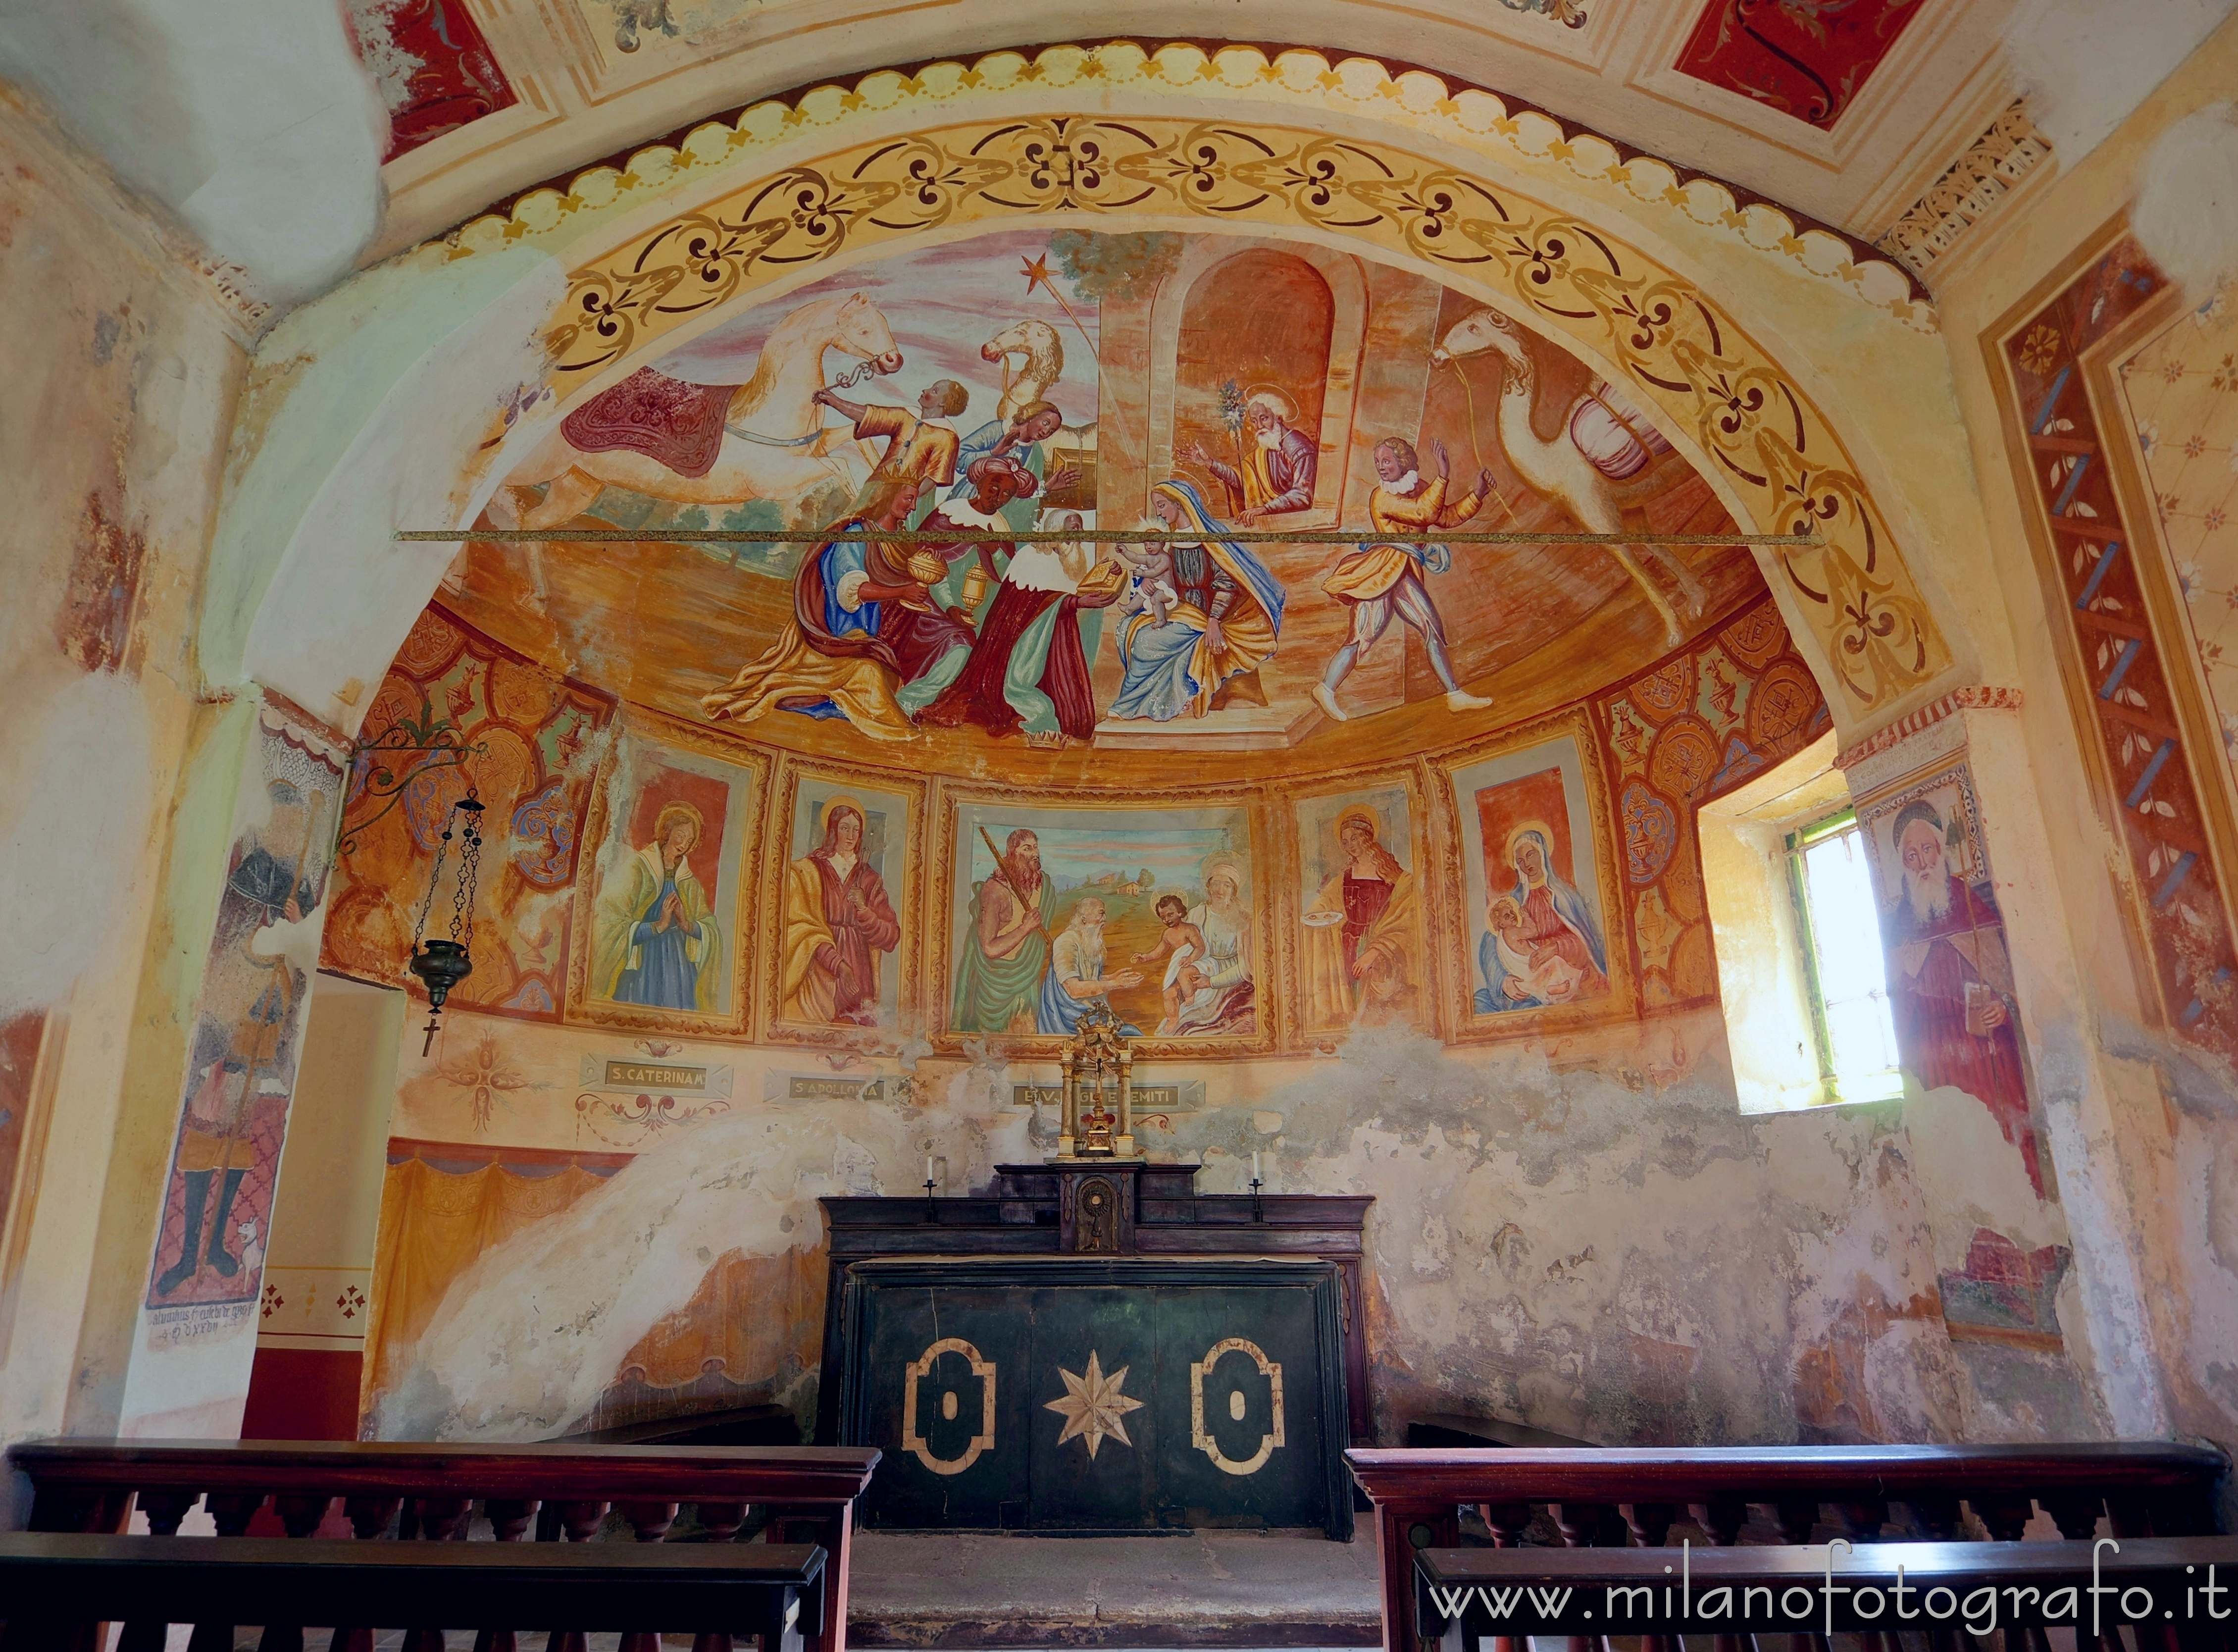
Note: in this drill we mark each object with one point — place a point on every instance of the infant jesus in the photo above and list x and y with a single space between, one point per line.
1185 942
1152 590
1549 975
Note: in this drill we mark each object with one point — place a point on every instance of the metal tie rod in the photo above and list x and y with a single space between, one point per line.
1072 536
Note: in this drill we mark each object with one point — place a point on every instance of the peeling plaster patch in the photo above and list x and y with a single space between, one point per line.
2186 210
1433 1253
2021 1394
2223 1204
1266 1124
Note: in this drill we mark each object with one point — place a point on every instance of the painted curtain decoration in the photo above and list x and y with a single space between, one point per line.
844 902
663 906
1054 912
247 1031
1949 973
1807 58
2138 694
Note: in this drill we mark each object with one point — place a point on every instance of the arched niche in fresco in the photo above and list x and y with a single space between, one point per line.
1219 275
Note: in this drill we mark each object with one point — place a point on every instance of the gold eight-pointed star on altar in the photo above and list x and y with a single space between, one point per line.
1093 1405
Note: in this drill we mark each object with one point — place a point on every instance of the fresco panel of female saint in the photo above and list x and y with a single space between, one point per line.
1359 933
654 937
1227 622
838 920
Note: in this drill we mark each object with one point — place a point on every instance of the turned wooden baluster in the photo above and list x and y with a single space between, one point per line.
2075 1513
443 1519
165 1508
301 1513
509 1519
1721 1519
650 1521
1506 1522
1937 1518
580 1520
369 1516
231 1511
1650 1524
1797 1517
720 1523
1585 1525
1861 1522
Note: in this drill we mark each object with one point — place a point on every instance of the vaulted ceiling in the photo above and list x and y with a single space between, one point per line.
1846 113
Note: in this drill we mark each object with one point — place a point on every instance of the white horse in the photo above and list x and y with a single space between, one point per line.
1044 364
775 445
1593 485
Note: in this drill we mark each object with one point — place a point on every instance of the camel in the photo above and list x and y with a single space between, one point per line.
1561 469
774 444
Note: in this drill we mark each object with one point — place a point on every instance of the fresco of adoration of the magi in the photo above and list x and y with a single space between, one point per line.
1194 383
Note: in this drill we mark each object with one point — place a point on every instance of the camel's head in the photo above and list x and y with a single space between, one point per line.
1035 339
1475 333
862 331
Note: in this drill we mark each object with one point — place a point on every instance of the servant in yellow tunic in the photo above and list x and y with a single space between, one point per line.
1374 578
1363 932
920 447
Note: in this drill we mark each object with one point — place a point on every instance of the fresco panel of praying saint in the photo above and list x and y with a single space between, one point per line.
655 937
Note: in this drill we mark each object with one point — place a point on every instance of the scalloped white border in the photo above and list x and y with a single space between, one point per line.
1297 79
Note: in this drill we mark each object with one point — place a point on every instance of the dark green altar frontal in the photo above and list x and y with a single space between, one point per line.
1233 1368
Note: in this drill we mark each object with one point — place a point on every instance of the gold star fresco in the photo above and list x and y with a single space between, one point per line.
1093 1405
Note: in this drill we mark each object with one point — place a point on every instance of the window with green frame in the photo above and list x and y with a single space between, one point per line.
1838 922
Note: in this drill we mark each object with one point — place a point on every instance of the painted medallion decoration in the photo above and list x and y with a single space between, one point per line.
664 911
1056 912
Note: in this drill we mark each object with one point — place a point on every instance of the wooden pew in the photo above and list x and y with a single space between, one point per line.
55 1586
807 1493
1607 1497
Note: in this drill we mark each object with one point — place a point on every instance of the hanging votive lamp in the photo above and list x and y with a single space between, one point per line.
442 963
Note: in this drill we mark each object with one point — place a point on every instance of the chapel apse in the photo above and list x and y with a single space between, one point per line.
1038 379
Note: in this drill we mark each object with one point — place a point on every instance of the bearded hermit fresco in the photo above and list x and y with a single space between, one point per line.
1201 386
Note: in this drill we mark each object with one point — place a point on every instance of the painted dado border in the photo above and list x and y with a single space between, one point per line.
1776 454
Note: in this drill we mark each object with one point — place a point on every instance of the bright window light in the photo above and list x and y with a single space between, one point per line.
1842 947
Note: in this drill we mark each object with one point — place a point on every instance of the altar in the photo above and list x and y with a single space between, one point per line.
1097 1395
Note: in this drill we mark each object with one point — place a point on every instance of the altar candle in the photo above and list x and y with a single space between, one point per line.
928 1173
1255 1164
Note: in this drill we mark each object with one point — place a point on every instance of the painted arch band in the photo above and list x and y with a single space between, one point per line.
1715 386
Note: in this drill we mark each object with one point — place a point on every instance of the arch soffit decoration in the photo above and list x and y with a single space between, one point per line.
1768 448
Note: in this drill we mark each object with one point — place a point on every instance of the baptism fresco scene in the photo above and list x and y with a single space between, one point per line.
1115 766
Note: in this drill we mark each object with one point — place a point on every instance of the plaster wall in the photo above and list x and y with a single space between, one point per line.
1500 1281
124 366
2145 1129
